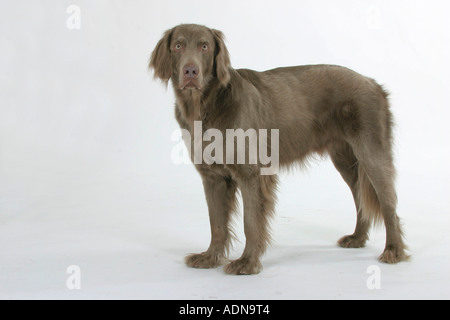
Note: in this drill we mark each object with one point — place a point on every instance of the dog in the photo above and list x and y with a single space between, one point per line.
323 109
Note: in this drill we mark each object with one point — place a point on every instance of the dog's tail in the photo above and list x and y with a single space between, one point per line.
368 199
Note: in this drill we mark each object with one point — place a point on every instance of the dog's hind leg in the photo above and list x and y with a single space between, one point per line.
378 197
346 163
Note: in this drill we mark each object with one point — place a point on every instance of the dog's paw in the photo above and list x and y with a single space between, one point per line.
243 267
393 255
203 260
351 241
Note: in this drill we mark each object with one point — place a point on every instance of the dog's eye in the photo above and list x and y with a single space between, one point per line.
205 47
178 47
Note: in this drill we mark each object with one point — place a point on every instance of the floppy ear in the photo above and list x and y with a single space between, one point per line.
160 60
221 58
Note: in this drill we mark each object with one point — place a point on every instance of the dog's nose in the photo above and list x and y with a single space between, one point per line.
190 71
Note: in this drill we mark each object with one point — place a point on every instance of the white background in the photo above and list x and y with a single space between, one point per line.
86 176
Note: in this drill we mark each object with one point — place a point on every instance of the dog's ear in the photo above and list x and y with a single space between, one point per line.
221 58
160 60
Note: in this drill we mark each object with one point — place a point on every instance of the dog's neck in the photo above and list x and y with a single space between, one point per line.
193 103
190 104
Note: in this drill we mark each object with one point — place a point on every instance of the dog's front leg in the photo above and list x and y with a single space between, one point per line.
259 198
220 192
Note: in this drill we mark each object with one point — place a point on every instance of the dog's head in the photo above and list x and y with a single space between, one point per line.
191 55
